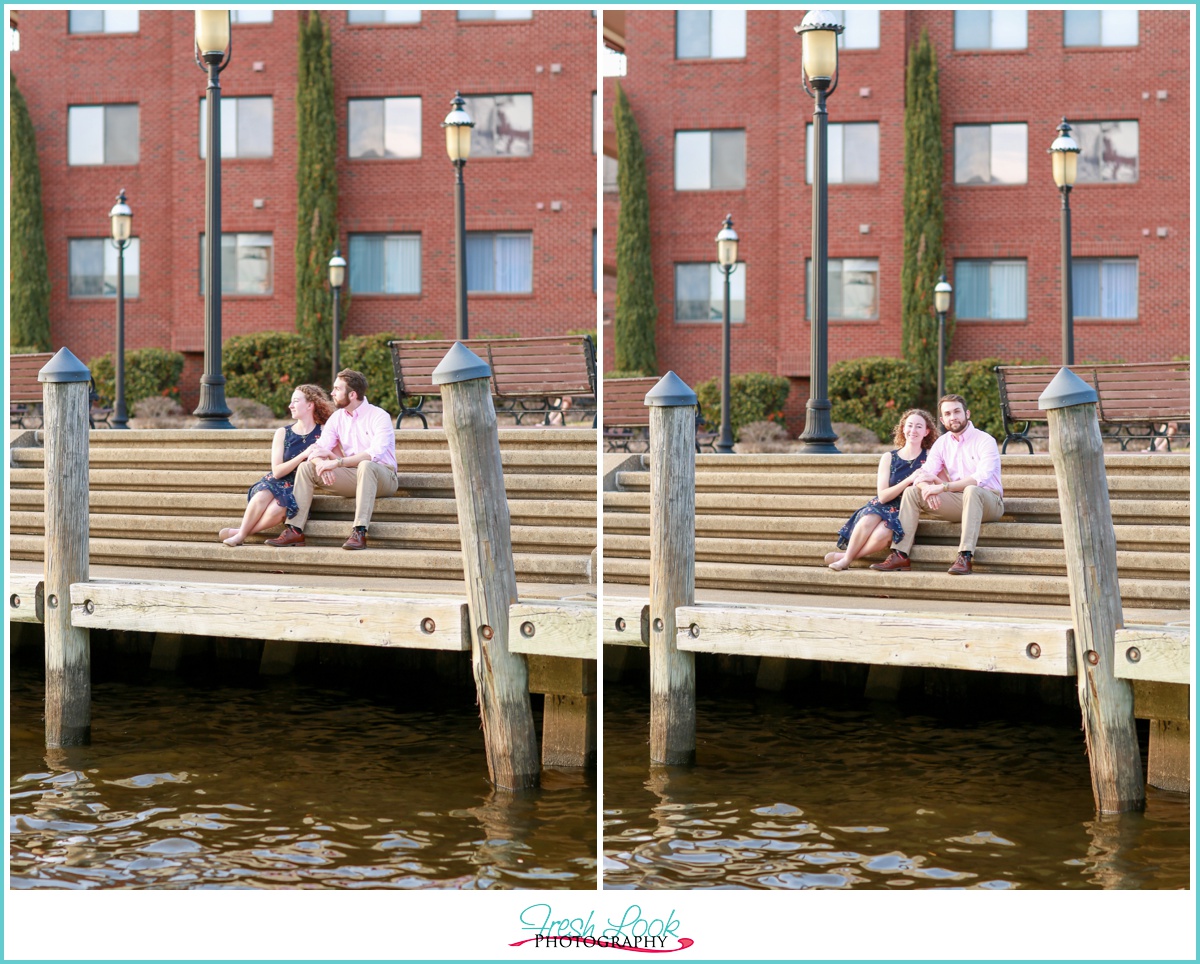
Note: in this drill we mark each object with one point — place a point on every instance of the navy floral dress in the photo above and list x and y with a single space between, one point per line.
281 489
889 512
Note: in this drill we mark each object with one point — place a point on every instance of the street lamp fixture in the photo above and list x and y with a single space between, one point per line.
941 304
1064 158
819 35
458 126
122 237
727 250
212 56
337 277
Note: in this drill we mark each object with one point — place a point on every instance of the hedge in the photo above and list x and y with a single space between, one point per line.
370 355
754 397
149 372
873 392
976 382
267 366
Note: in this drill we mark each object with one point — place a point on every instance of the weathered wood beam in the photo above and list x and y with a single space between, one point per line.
553 629
626 622
1156 653
25 597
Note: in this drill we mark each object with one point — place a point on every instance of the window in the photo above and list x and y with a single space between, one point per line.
247 127
393 15
610 173
1104 287
595 126
1100 28
992 290
102 21
853 288
595 265
700 293
93 268
503 13
247 264
862 29
251 15
499 261
385 264
853 154
710 160
990 153
989 30
1108 151
705 34
385 127
102 134
503 125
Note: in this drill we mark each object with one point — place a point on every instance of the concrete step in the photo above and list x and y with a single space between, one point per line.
916 584
1115 463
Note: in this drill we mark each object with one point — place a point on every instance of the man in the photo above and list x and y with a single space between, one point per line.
366 468
971 461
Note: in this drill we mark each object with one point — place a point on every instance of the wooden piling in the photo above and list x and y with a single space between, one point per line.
672 568
501 678
1091 552
68 649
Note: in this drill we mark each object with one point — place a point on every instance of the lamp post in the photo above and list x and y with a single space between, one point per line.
727 247
212 56
337 277
122 237
941 304
458 126
1064 157
819 34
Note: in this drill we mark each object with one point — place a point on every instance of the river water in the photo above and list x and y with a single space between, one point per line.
281 783
786 794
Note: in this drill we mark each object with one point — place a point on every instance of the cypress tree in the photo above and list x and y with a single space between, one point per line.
923 214
316 186
636 314
29 276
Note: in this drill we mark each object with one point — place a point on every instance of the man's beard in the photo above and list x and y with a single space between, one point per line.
342 402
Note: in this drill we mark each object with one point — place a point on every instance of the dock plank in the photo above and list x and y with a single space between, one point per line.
1163 654
564 629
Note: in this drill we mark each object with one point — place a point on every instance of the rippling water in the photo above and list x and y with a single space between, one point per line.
870 796
281 785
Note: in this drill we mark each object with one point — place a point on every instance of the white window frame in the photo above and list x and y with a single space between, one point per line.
473 108
254 15
229 127
110 257
991 263
391 15
682 155
78 136
494 236
991 45
1113 32
407 101
837 154
808 288
1101 262
104 28
383 237
256 243
499 14
716 294
991 182
726 27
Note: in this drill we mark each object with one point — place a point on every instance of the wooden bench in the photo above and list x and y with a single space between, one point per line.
1136 402
25 391
529 375
627 417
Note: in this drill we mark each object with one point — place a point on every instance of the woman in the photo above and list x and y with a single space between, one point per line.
270 499
877 523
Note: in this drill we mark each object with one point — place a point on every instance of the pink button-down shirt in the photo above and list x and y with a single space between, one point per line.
367 429
973 455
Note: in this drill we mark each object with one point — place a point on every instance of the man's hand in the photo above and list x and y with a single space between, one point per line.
931 493
324 469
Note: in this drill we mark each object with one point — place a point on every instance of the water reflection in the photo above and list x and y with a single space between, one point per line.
283 785
790 797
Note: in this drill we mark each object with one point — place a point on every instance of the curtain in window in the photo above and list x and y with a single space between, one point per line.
1119 286
971 289
481 265
366 265
402 258
514 262
1008 290
693 292
87 268
1085 289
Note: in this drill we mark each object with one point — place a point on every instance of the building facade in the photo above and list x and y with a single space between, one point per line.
117 102
724 121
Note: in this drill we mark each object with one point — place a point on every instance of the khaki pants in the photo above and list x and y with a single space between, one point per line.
364 481
974 505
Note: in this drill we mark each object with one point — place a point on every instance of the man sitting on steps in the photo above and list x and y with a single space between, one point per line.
973 495
366 469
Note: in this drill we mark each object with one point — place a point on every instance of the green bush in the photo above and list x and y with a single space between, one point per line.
370 355
617 373
872 392
754 397
267 366
976 382
149 372
34 350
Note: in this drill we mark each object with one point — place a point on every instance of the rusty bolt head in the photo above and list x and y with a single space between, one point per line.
15 601
1092 657
527 630
1033 651
89 607
486 632
428 625
52 601
1133 654
620 625
658 625
694 630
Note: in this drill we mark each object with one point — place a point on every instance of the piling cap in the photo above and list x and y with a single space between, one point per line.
64 367
460 365
671 391
1066 390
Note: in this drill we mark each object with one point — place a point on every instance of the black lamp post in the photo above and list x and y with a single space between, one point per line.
941 304
458 126
122 237
727 246
337 277
212 56
1064 155
819 34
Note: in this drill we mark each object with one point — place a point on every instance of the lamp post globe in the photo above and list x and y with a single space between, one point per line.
1064 160
819 31
337 277
727 251
212 52
458 126
941 304
121 220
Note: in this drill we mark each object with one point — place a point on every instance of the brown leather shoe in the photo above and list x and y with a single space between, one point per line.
288 537
893 563
961 567
357 540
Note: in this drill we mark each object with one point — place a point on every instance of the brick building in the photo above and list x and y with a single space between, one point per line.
116 99
723 117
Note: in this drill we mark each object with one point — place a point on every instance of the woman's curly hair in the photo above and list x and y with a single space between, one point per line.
322 405
927 442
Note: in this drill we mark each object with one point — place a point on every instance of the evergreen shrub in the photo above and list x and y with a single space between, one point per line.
872 392
267 366
753 397
149 373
